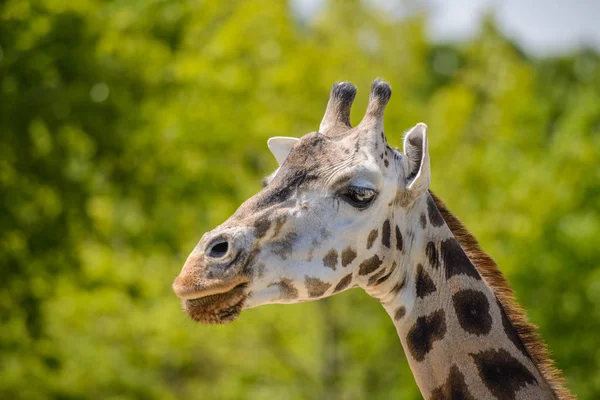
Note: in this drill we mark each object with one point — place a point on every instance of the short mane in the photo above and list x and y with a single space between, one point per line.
488 269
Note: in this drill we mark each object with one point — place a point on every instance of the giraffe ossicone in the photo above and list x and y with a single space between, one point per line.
344 210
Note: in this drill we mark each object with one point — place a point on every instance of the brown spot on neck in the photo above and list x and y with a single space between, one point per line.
331 258
454 388
315 286
434 215
425 332
432 255
502 374
400 312
386 233
371 239
343 283
348 255
455 260
423 282
473 311
369 265
399 241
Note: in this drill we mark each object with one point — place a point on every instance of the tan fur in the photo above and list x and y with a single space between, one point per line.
496 280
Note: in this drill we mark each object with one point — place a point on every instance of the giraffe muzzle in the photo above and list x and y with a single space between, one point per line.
212 283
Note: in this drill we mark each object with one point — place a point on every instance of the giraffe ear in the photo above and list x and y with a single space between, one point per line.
416 160
281 146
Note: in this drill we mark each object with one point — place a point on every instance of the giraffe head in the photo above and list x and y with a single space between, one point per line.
330 218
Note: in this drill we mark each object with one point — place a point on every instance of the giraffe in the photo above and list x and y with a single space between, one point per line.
345 210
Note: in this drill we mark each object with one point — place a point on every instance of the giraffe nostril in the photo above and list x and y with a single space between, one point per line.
219 250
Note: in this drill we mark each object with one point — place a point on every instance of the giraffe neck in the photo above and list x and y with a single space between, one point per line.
456 335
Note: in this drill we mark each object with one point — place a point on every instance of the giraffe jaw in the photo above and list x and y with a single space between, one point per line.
220 308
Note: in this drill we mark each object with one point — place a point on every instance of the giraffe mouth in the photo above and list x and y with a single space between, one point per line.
220 308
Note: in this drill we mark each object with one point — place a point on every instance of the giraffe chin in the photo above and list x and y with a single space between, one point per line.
220 308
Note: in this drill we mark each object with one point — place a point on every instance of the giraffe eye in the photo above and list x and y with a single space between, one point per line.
359 197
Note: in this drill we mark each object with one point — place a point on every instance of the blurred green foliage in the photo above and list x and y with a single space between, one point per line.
130 128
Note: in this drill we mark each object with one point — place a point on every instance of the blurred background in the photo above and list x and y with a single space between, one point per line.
130 128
